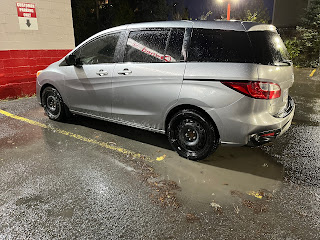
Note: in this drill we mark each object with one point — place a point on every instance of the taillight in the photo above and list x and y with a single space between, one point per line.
259 90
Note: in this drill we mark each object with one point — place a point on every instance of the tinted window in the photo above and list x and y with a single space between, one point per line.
269 48
100 50
209 45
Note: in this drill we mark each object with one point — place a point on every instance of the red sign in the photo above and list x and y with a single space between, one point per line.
149 51
27 10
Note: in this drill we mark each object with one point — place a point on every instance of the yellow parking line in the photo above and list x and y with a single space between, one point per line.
255 194
312 73
84 139
161 158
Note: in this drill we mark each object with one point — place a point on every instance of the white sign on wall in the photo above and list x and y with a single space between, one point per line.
27 16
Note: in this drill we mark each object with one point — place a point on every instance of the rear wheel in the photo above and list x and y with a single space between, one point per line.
192 135
53 104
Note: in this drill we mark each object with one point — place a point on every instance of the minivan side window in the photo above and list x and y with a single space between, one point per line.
154 46
100 50
209 45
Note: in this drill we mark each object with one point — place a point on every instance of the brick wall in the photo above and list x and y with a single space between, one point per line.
24 52
18 70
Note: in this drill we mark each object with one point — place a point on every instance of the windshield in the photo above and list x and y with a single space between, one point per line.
269 48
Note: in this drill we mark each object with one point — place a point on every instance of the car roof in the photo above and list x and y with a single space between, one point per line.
217 24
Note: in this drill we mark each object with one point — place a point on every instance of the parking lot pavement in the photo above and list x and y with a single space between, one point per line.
90 179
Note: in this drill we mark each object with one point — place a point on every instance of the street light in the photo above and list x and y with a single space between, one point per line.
229 7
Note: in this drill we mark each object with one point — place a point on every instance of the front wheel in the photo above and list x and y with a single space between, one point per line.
53 104
192 135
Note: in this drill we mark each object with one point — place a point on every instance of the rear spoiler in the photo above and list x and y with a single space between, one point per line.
251 26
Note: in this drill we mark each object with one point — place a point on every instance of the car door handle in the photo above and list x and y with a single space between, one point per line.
125 71
102 73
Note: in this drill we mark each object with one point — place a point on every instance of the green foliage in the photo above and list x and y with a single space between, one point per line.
150 10
185 15
125 14
304 47
92 16
254 11
308 35
254 17
248 10
205 16
84 19
294 48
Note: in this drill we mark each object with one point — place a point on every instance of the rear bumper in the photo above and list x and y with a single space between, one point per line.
260 138
239 123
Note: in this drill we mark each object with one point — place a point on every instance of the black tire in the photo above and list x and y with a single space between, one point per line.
53 104
192 135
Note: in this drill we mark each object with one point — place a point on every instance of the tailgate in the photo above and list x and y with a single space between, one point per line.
282 75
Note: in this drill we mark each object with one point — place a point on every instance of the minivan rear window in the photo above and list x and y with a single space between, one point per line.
209 45
269 48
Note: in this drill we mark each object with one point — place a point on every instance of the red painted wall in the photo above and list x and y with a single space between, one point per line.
18 70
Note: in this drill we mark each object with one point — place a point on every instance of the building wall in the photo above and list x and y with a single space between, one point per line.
24 52
287 13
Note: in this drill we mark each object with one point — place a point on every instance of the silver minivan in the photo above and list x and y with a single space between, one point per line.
203 83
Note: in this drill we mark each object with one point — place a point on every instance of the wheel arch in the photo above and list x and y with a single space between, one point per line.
193 107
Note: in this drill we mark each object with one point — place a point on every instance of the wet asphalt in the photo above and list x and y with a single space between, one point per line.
78 180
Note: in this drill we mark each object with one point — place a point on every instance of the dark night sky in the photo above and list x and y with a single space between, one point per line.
198 7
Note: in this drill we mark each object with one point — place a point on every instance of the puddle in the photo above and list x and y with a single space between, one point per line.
213 179
30 201
246 160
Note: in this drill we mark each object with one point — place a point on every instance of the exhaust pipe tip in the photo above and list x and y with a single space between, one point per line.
258 139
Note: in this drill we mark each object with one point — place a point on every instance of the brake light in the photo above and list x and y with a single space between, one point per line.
259 90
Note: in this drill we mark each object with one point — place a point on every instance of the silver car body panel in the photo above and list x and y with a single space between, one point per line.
91 92
52 75
202 87
144 97
282 75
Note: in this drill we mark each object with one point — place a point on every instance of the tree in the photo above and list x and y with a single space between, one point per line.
254 17
92 16
294 49
254 11
124 13
150 10
185 15
308 35
205 16
84 19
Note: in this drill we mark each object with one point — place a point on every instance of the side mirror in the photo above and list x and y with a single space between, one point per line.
70 59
